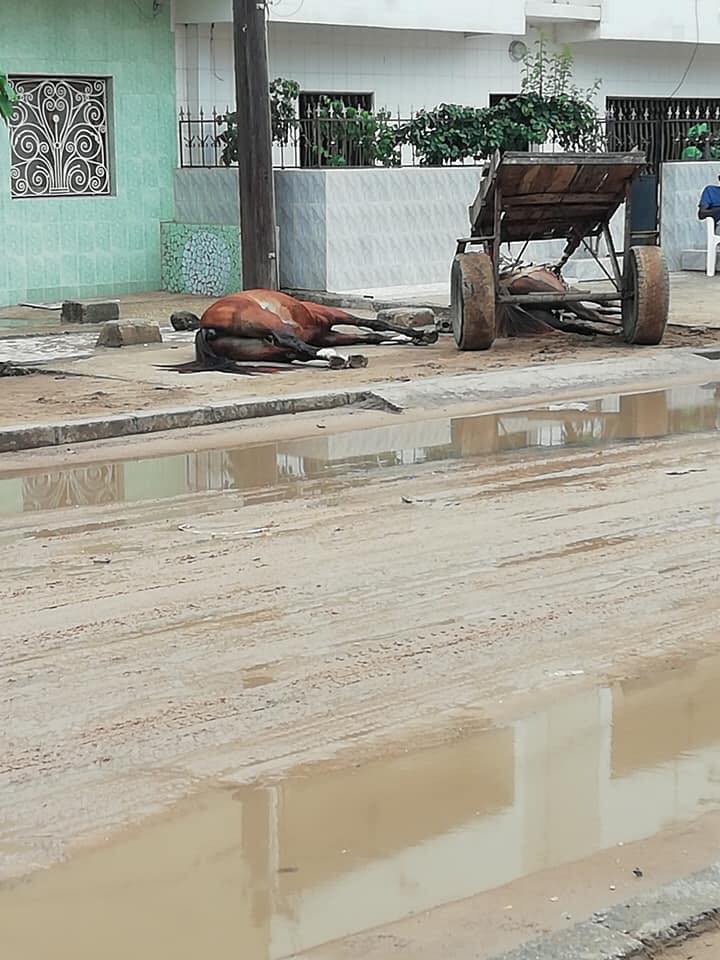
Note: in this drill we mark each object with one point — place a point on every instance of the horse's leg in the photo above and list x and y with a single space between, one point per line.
305 353
414 334
327 317
333 339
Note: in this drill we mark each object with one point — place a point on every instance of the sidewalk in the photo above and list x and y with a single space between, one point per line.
89 384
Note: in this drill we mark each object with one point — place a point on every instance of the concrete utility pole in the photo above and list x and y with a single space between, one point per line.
254 130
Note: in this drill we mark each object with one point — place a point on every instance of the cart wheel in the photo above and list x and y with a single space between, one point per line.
472 308
646 291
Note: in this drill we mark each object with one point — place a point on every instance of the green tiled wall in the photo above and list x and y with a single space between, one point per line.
60 247
197 258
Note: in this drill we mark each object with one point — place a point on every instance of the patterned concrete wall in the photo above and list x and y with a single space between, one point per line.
200 259
91 246
682 185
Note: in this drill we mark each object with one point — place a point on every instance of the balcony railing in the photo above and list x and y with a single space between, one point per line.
667 135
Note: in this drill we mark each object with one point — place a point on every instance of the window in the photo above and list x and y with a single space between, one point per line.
324 141
663 128
59 137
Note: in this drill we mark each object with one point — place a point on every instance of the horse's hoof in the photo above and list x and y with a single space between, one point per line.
357 360
337 363
429 336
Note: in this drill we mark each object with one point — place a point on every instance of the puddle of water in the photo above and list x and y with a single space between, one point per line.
65 345
279 468
265 872
28 323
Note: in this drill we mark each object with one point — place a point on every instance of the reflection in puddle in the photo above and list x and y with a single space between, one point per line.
279 467
268 871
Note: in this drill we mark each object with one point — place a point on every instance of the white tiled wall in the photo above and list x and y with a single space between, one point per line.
405 69
409 69
681 188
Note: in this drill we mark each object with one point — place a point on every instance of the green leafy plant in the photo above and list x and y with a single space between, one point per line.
554 104
283 119
701 143
8 97
283 113
447 134
340 135
549 107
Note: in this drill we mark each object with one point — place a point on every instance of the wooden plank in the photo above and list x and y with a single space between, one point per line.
539 298
543 199
549 195
536 180
512 177
562 178
634 158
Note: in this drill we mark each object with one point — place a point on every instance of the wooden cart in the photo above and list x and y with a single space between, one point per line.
540 196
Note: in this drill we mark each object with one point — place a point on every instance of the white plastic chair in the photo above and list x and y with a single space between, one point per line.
713 241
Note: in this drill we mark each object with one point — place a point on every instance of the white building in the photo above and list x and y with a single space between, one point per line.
408 54
370 229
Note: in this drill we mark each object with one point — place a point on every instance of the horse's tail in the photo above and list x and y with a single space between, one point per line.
205 356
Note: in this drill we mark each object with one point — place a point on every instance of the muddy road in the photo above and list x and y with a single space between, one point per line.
231 615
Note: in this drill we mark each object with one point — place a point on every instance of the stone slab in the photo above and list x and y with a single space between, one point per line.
128 333
409 317
74 311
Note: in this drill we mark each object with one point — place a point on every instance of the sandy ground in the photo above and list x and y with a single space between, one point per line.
114 381
119 682
134 633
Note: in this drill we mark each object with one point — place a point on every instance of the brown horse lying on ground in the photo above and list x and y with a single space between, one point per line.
271 327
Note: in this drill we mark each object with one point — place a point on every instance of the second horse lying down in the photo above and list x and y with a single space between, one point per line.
271 327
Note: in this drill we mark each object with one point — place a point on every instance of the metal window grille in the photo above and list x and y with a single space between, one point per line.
59 137
663 128
320 139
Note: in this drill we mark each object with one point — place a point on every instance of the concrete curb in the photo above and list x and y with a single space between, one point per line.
639 928
32 436
589 379
592 378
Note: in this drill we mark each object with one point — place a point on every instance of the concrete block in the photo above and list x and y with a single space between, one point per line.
409 317
75 312
128 333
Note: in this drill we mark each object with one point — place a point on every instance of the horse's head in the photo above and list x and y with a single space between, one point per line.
184 320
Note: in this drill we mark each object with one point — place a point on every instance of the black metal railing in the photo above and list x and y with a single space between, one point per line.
205 140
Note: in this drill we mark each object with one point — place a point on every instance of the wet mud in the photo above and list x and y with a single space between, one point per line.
280 868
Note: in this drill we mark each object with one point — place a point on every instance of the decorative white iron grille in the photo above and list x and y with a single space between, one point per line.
59 137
